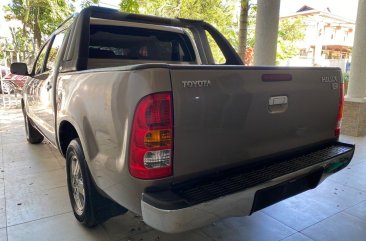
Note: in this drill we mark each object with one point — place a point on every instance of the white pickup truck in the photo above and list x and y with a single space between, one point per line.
147 121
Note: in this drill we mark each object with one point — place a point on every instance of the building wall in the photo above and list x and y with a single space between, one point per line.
328 38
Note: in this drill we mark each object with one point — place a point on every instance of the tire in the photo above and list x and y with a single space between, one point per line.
81 192
89 207
32 134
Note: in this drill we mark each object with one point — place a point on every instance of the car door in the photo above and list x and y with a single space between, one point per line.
42 109
32 88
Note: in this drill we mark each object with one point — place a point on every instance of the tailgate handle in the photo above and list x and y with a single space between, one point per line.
278 100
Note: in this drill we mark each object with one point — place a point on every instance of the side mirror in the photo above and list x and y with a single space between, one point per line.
19 68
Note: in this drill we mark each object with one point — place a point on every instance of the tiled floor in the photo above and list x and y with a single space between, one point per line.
34 203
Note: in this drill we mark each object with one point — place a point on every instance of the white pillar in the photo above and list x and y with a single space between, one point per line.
266 29
319 43
357 82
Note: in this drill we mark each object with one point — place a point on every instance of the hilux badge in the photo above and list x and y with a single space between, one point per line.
196 83
329 79
332 79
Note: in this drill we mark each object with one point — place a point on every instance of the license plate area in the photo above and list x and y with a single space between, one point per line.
271 195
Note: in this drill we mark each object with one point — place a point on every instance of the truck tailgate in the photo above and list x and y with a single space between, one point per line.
234 115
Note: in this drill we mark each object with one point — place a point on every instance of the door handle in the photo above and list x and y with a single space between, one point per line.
278 100
277 104
49 86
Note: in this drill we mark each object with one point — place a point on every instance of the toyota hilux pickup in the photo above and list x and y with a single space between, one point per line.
149 122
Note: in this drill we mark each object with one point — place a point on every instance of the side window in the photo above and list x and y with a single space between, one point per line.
40 60
54 51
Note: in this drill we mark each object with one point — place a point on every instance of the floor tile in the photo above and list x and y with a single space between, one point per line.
358 210
25 207
297 237
257 227
359 167
2 186
2 220
57 228
31 165
154 235
31 182
315 205
15 152
124 226
60 159
353 176
13 138
338 227
2 213
34 177
3 234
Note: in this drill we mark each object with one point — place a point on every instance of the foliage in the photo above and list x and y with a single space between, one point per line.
220 14
88 3
290 31
41 17
20 42
38 17
243 28
251 26
345 77
130 6
4 45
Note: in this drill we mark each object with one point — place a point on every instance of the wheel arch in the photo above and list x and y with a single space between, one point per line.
66 133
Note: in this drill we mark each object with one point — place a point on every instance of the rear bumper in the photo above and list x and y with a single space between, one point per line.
187 206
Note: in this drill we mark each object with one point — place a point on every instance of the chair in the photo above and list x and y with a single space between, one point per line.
10 93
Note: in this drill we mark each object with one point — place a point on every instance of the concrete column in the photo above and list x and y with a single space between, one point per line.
319 43
266 30
354 115
357 82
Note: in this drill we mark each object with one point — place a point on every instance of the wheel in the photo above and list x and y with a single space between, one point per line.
79 185
89 207
32 134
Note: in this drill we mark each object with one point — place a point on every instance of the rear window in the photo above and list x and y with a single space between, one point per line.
117 42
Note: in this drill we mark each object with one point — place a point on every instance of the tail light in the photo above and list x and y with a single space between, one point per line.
152 138
340 111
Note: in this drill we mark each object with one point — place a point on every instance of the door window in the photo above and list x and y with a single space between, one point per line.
39 65
54 51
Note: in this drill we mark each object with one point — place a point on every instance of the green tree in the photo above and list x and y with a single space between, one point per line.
220 14
87 3
290 31
243 28
130 6
251 26
39 17
21 44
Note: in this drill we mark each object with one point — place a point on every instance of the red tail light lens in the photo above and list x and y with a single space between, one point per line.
152 138
340 110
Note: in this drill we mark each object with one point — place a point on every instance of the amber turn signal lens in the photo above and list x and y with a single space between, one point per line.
158 138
